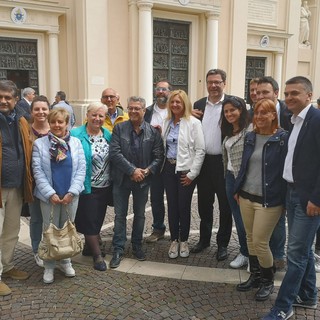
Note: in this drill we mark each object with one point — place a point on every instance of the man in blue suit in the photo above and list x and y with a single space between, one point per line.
302 173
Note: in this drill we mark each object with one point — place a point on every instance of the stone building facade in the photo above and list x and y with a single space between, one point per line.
84 46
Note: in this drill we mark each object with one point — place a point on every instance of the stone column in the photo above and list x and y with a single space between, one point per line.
278 70
54 74
212 40
145 50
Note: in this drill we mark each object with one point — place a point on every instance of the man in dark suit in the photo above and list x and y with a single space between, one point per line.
268 88
302 173
211 180
24 104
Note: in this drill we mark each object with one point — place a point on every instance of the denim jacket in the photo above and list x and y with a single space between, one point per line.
274 152
121 156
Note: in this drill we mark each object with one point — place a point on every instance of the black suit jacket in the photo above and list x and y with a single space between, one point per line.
306 159
24 106
285 116
201 104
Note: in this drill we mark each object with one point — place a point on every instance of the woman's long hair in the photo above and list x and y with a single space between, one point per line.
227 127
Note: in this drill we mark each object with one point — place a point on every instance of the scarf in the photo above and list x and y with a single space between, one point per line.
59 146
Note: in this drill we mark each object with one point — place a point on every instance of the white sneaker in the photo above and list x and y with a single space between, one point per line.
174 249
239 261
48 276
184 249
317 263
39 261
67 269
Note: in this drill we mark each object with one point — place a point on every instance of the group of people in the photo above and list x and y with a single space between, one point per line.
260 163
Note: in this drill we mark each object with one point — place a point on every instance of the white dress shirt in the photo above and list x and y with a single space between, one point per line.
297 122
211 127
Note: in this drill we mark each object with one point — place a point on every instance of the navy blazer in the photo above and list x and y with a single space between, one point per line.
25 108
306 159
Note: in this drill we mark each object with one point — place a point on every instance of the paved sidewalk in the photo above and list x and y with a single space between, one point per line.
197 287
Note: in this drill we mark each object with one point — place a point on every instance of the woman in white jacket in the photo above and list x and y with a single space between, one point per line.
59 169
185 151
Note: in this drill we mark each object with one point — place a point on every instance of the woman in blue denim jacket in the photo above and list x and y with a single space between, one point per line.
260 190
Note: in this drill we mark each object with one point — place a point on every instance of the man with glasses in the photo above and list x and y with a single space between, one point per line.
211 180
136 154
155 115
115 114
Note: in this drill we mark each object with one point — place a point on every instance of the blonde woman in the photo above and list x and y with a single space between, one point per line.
185 151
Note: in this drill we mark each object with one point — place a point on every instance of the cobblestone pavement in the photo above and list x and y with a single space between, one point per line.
117 295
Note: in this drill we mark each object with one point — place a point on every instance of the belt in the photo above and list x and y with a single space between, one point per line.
251 197
172 161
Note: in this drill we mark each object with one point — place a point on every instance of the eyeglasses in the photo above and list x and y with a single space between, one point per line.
134 108
162 89
108 97
216 83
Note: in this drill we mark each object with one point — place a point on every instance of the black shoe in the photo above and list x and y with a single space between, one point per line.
253 282
138 253
200 246
222 253
264 291
99 264
116 259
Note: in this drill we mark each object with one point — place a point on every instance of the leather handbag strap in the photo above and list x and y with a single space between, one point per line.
51 212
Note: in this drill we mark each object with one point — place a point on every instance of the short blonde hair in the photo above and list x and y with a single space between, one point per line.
94 106
57 112
185 101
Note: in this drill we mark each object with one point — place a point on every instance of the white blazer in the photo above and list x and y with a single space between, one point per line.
191 147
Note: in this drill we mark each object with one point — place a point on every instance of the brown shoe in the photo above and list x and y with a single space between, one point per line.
16 274
4 289
155 236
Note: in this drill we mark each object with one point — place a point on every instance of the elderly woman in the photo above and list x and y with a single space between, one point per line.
39 128
184 141
59 169
260 190
93 201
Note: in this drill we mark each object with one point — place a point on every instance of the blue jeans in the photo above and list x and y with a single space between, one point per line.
121 201
300 278
235 209
157 202
35 224
278 239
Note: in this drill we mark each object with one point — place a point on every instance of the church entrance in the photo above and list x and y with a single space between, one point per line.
19 62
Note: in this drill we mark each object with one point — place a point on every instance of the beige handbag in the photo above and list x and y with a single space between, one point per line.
57 244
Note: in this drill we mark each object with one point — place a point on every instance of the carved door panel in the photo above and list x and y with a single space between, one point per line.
255 67
19 62
171 52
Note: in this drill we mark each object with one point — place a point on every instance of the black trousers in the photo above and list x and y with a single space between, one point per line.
211 182
179 202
